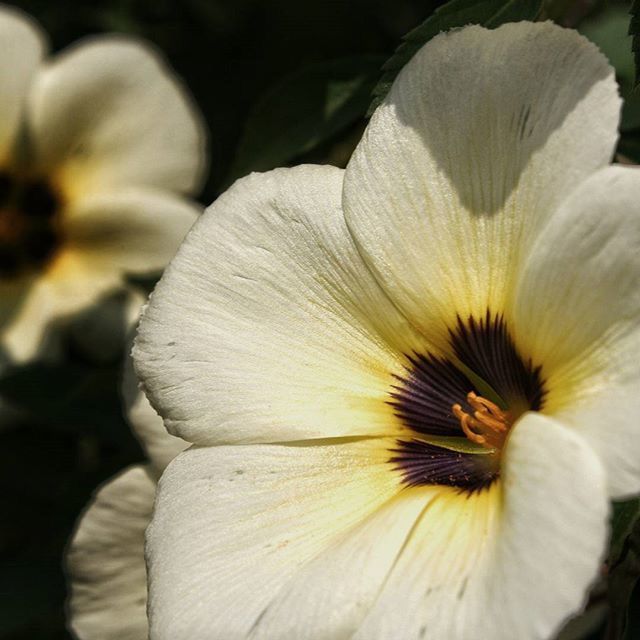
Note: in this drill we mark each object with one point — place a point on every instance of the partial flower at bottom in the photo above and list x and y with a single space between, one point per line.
105 559
411 385
99 147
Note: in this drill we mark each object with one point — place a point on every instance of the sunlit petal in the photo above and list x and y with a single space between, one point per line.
268 326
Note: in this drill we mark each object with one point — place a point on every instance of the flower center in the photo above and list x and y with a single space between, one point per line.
460 407
29 224
487 426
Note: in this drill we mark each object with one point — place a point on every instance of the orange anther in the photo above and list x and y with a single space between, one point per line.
488 426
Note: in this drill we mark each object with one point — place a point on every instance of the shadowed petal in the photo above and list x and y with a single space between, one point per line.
106 561
161 447
480 138
577 311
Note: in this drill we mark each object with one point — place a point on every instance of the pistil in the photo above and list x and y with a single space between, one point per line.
487 426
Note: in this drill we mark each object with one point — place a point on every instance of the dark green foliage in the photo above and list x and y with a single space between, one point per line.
65 435
457 13
623 518
624 572
304 110
634 30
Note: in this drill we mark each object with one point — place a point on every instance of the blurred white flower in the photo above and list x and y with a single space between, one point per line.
413 384
105 558
98 148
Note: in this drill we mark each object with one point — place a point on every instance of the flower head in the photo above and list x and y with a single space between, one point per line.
423 369
98 148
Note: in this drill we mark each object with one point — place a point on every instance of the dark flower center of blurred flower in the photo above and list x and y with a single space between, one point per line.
29 224
461 406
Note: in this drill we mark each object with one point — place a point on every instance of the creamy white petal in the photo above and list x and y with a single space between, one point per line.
233 524
23 46
511 562
330 596
108 112
135 230
159 445
106 564
267 326
577 313
481 136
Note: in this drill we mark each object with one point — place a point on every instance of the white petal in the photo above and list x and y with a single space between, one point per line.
69 285
577 313
233 525
106 561
267 326
481 136
22 44
160 446
108 112
510 562
329 596
133 230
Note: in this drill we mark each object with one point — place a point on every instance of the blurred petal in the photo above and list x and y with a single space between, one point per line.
69 285
233 525
105 561
577 311
108 112
267 326
23 45
514 561
134 230
482 135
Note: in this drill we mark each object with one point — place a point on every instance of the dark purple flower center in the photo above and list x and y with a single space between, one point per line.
469 398
29 229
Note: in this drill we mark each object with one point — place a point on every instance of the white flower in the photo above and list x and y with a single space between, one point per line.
105 559
423 371
98 148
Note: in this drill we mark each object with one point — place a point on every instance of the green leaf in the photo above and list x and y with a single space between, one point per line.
69 397
623 564
608 30
454 14
624 516
304 110
622 580
634 30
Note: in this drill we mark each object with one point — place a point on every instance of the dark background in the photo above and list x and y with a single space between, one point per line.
261 72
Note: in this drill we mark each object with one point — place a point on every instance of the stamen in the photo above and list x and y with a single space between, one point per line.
488 426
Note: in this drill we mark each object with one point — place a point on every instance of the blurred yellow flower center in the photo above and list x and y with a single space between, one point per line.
488 425
29 229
